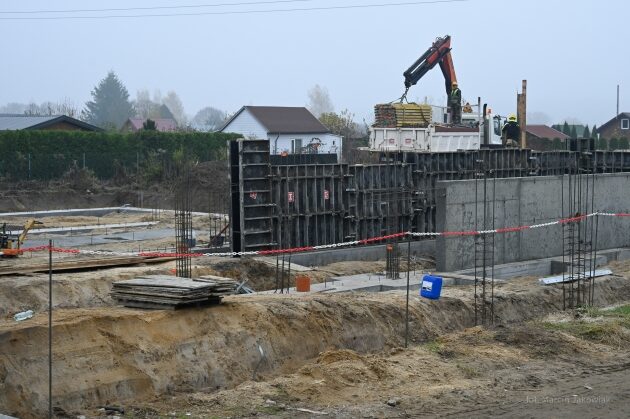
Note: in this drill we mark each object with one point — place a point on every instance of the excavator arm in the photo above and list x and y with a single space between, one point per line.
27 226
438 53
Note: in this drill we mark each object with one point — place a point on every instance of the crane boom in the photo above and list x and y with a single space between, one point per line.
438 53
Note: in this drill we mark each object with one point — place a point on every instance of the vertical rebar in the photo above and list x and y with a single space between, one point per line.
183 224
407 302
50 309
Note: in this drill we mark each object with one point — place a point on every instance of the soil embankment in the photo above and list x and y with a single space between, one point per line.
116 355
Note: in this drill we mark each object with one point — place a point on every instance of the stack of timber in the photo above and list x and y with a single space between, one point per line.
401 115
171 292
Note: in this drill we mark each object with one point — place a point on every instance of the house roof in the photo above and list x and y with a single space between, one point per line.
543 131
283 120
613 120
161 124
19 122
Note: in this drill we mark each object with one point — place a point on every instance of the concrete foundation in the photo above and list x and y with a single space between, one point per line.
524 201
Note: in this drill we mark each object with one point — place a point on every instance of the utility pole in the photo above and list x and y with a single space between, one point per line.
521 113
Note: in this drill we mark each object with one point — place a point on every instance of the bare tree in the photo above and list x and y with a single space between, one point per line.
208 119
174 104
319 101
48 108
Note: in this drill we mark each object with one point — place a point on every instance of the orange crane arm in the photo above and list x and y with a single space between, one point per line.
438 53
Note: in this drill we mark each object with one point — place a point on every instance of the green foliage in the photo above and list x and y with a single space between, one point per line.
149 125
624 144
152 153
601 144
573 133
110 106
594 131
586 133
557 144
613 144
566 129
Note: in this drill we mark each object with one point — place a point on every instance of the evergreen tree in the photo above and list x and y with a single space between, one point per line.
624 144
566 129
594 131
149 125
573 132
557 144
602 144
586 133
613 144
110 106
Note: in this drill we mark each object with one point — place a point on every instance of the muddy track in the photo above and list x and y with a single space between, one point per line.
112 355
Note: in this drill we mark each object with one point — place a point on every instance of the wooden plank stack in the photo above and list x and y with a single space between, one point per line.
171 292
402 115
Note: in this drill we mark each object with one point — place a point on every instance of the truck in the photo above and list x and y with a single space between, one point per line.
447 129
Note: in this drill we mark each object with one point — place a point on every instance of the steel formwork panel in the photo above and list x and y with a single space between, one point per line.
296 205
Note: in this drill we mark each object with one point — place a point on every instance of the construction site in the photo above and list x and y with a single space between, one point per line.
451 271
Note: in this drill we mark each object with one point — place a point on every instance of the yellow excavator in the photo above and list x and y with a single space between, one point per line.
10 243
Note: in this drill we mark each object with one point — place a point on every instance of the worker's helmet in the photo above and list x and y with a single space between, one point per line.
512 118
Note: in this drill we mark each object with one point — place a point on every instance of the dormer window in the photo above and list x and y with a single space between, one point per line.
625 123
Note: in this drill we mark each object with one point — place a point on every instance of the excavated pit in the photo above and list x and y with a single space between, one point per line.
116 356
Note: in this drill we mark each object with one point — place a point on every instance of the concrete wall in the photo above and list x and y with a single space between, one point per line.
524 201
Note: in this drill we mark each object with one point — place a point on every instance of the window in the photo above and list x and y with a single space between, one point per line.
625 123
296 146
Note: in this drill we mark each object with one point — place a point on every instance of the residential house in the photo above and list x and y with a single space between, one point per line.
161 124
618 127
290 130
544 138
50 122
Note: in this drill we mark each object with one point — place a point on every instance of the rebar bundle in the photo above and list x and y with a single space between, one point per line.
579 234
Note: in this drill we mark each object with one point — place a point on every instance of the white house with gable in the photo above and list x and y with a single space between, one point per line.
291 130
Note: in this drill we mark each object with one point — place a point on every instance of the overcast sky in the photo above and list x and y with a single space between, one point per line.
573 53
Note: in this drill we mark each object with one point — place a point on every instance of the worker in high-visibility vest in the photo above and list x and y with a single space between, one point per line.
511 132
455 103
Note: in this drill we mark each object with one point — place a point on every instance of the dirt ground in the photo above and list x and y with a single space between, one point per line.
527 370
338 355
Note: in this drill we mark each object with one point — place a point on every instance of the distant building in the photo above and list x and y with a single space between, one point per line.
618 127
161 124
290 130
52 122
544 138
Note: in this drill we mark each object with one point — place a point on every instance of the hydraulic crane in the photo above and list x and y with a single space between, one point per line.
438 53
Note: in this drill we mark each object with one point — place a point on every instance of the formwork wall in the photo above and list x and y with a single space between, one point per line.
307 204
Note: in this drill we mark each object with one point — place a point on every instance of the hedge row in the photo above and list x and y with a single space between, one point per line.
49 154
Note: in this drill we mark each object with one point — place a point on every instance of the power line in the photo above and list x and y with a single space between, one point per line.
125 9
238 12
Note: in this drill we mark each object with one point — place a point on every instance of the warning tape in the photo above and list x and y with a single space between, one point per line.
576 219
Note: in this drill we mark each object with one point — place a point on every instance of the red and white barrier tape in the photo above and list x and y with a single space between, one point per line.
329 246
